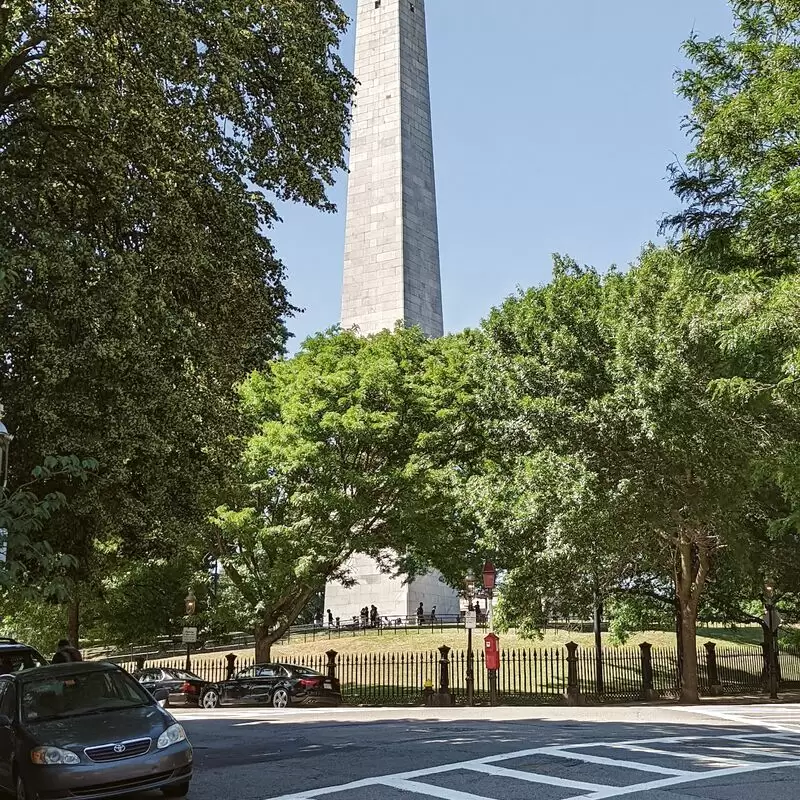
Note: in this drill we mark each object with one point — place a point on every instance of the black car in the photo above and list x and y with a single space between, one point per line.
15 656
276 685
182 687
88 730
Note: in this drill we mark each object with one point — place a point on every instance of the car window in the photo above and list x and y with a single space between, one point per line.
182 675
250 672
16 660
80 693
8 699
305 671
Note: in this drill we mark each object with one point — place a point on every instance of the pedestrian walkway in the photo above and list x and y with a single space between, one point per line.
587 771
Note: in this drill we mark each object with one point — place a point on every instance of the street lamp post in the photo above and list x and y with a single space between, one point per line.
469 582
769 602
191 608
5 446
489 579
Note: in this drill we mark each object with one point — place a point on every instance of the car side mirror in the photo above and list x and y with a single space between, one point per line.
160 696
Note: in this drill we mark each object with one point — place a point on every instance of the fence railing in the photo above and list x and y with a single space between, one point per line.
532 675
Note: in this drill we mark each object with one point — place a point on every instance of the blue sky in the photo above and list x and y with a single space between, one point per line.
554 122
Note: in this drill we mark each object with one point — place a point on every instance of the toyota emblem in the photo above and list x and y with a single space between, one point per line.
119 748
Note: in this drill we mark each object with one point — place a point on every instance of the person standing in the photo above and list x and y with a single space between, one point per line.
330 618
420 614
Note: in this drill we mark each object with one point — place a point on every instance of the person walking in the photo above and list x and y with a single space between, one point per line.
420 614
66 653
330 618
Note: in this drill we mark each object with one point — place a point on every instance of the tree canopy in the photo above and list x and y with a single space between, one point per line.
141 147
350 453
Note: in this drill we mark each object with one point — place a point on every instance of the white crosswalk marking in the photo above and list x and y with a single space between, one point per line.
777 717
736 746
532 777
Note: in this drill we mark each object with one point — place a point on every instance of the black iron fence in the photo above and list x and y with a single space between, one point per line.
527 675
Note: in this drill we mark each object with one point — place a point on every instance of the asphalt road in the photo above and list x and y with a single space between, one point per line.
642 753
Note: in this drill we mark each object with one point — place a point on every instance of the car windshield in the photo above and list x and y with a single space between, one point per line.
81 693
19 660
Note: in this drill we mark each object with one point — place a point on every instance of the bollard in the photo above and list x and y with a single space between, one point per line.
648 693
231 665
573 693
444 695
331 654
492 687
714 685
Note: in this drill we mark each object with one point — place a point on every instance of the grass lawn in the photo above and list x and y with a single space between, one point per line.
424 640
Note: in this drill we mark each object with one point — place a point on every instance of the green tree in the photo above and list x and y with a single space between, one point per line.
140 146
625 466
352 452
32 569
741 182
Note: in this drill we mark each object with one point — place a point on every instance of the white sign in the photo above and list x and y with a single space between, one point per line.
471 620
777 619
189 635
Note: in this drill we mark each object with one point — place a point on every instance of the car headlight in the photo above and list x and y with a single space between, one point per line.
53 755
172 735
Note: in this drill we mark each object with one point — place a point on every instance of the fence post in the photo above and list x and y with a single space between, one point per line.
230 666
331 655
714 685
648 693
573 693
444 695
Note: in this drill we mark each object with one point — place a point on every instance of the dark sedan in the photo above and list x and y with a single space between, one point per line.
276 685
87 730
183 688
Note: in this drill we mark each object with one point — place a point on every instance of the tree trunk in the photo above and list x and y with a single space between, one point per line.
264 642
74 623
679 640
690 578
690 692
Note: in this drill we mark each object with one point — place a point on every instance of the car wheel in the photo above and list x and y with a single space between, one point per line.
280 698
210 699
180 790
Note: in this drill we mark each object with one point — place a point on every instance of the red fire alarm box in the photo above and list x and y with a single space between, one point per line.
492 650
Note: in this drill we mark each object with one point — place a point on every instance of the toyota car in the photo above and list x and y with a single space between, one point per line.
87 730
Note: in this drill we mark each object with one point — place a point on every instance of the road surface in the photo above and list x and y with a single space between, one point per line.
719 752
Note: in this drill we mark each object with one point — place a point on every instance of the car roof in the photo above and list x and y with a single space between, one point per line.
15 647
66 669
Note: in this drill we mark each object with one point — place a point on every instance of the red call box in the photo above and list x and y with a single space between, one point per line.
491 645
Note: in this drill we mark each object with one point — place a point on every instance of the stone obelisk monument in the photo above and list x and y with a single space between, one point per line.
391 261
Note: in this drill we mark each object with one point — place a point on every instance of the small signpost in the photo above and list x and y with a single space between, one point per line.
471 620
189 635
